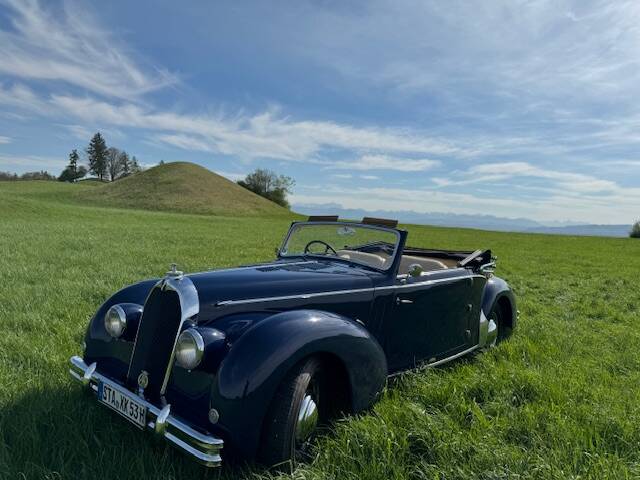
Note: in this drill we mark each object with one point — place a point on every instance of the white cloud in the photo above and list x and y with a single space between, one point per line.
84 133
23 163
385 162
369 177
494 172
233 176
4 140
265 135
22 97
615 207
515 49
70 46
185 142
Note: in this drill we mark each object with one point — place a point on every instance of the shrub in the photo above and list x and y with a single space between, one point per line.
269 185
635 230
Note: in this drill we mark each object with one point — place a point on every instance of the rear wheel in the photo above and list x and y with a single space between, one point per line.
499 328
294 416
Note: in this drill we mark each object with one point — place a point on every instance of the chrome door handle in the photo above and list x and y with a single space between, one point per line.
403 301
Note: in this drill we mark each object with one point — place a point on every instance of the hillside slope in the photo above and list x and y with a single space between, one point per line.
181 187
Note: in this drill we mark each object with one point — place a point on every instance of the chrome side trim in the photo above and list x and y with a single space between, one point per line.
303 296
428 282
306 296
453 357
439 362
428 273
204 448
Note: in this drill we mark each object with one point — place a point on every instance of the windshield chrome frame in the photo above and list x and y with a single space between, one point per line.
392 258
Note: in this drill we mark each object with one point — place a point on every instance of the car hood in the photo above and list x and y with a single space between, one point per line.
278 279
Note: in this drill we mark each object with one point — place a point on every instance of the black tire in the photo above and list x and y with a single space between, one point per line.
504 330
279 446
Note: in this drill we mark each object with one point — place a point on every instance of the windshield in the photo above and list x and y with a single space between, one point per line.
372 246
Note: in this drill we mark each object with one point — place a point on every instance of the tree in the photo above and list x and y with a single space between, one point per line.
125 164
41 175
7 176
134 167
269 185
68 175
73 161
635 230
114 163
97 154
73 172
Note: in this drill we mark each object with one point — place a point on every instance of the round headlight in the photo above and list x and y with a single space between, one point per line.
189 349
115 321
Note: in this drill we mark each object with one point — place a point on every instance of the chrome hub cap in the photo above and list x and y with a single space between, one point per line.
492 335
307 420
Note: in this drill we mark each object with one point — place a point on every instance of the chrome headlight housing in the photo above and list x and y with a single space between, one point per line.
189 349
115 321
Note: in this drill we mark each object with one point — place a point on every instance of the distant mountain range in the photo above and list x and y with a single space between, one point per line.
482 222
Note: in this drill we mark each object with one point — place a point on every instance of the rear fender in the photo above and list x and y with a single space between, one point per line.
497 290
259 360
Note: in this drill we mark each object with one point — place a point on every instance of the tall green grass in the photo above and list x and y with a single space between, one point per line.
560 400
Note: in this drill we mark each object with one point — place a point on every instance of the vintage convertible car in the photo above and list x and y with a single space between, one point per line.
255 358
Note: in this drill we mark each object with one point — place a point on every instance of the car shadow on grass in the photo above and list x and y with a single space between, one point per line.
65 433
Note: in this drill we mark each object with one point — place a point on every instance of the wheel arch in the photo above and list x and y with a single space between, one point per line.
259 361
498 293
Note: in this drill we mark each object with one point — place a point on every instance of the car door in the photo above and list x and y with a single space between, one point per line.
430 319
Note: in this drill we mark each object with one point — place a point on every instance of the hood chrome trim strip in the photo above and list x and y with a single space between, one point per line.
255 265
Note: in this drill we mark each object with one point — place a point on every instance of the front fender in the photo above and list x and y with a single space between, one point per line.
259 360
113 355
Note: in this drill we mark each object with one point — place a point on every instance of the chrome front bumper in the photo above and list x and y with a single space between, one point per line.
205 449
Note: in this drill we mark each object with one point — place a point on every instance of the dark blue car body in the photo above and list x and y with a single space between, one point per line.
259 321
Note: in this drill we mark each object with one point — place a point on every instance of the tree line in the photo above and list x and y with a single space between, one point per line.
106 163
41 175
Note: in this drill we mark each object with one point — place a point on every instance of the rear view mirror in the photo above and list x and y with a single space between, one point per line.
345 231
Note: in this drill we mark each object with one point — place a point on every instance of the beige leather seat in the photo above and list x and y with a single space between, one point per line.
427 264
367 258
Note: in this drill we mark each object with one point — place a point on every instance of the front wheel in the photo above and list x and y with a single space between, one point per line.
294 416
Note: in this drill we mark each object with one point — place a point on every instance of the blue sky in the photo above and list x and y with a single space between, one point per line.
513 108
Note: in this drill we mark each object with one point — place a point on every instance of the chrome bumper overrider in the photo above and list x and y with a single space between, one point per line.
204 448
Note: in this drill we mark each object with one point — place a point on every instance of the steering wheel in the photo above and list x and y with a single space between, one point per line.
327 247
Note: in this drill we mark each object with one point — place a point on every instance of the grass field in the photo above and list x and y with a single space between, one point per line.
560 400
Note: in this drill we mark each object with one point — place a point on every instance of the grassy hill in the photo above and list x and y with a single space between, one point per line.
181 187
559 400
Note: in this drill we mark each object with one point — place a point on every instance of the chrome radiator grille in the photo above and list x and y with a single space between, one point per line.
170 303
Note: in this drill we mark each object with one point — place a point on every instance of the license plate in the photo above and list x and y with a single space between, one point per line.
123 403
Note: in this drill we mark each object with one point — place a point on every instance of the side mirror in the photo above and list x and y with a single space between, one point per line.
415 270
